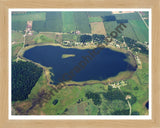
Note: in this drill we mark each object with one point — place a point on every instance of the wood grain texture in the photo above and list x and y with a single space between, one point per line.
6 4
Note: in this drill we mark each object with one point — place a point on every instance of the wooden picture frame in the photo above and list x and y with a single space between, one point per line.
4 71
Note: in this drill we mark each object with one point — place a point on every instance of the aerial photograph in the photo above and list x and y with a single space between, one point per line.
77 62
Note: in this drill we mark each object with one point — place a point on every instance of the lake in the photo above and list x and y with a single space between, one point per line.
81 65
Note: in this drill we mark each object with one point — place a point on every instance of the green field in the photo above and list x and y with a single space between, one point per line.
15 50
19 25
68 98
140 30
138 86
70 37
95 19
33 16
17 36
110 26
52 23
100 13
135 29
128 16
68 22
147 21
43 39
82 22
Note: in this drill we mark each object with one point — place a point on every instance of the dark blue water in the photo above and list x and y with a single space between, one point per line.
97 64
147 105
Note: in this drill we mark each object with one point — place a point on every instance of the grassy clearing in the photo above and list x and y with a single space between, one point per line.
95 19
17 36
68 22
37 16
68 97
82 22
43 39
70 37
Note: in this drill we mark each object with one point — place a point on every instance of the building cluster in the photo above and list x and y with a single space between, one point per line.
118 84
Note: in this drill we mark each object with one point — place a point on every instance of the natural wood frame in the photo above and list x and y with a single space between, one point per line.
6 4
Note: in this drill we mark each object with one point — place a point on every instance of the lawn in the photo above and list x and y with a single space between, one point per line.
82 22
68 22
95 19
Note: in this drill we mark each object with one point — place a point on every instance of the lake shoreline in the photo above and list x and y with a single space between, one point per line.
83 83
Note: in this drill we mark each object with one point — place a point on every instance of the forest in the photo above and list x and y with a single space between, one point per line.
98 38
137 47
95 97
85 38
24 77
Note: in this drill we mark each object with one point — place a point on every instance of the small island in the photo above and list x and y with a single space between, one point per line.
67 56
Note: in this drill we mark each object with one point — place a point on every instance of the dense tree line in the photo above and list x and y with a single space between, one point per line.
109 18
137 47
95 97
116 94
24 77
122 21
98 38
85 38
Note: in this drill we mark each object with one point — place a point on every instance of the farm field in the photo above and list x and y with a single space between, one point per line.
17 37
128 16
98 28
82 22
52 23
63 44
38 16
101 13
68 22
135 29
19 25
140 29
95 19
